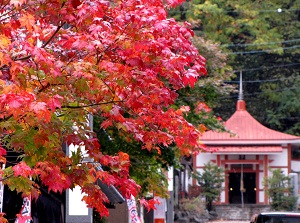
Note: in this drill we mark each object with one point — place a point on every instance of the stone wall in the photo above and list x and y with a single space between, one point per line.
221 212
236 212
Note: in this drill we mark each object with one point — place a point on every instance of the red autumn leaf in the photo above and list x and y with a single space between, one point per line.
38 106
106 178
2 151
2 218
190 78
23 218
22 169
124 156
40 110
55 102
52 176
149 204
202 107
75 3
123 62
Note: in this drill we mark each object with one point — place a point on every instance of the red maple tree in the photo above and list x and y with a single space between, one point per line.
61 60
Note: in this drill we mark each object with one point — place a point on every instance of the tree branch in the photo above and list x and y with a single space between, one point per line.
4 4
109 46
90 105
52 36
7 177
45 44
6 14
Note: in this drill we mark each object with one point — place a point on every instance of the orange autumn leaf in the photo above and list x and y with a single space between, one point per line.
27 20
4 42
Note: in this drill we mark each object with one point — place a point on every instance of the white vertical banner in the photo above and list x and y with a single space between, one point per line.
76 208
76 205
170 179
1 196
25 213
160 211
133 213
1 191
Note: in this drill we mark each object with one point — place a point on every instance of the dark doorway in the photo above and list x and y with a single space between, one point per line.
249 194
12 204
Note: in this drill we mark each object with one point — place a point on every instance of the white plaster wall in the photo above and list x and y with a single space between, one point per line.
251 157
234 157
285 171
204 158
295 165
280 159
261 196
222 195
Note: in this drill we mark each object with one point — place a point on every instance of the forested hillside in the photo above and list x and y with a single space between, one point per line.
262 40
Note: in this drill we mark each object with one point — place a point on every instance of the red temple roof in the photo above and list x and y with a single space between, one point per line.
245 149
245 131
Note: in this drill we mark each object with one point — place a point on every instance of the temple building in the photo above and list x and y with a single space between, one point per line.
248 153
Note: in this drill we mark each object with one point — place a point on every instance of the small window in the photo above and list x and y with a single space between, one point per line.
296 152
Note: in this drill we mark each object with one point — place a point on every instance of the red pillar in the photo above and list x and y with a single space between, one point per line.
266 164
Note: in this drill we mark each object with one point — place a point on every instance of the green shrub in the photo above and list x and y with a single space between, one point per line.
280 191
210 180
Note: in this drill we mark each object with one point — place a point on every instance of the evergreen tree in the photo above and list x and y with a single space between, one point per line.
261 39
279 188
210 180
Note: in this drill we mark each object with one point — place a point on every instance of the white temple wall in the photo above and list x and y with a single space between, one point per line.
251 157
222 195
261 196
295 165
204 158
279 159
260 186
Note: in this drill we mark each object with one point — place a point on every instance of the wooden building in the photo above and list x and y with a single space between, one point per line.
248 153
